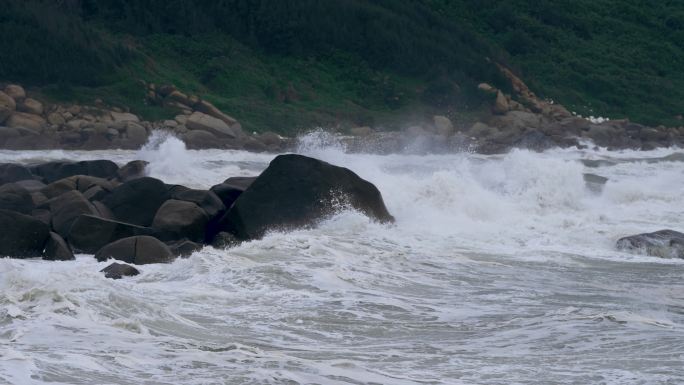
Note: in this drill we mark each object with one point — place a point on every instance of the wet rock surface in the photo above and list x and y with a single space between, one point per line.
117 212
662 243
119 270
307 191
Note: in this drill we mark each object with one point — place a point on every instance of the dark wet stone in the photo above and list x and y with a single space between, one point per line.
16 198
119 270
56 249
177 219
11 172
132 170
21 236
184 248
594 183
662 243
231 188
224 240
66 208
139 250
137 201
298 191
90 233
54 171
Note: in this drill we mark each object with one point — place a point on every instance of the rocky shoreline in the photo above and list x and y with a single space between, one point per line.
53 210
517 120
28 124
56 209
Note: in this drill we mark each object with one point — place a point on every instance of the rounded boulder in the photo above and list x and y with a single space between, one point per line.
139 250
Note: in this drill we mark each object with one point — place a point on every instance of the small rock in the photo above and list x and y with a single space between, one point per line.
16 92
136 133
170 123
181 119
501 104
124 117
132 170
57 249
361 131
184 248
74 110
484 87
31 106
443 125
224 240
7 106
119 270
231 188
201 121
22 119
209 109
594 183
199 139
56 119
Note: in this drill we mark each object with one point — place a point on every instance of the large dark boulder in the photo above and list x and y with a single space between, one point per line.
119 270
89 233
180 219
16 198
53 171
297 191
229 191
137 200
10 172
21 236
138 250
663 243
66 208
56 249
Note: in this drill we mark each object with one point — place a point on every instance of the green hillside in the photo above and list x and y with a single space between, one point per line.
600 57
285 65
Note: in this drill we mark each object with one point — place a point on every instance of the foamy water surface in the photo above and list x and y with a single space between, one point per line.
499 270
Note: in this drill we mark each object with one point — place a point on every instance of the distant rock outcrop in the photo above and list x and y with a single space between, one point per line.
27 123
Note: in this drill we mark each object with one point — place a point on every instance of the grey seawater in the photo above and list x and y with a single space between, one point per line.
499 270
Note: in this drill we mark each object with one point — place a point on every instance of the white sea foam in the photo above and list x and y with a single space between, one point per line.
498 270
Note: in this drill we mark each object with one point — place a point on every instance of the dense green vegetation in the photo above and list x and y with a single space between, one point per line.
289 64
601 57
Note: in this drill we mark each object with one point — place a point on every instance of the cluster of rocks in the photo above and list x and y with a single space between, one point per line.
517 120
26 123
54 209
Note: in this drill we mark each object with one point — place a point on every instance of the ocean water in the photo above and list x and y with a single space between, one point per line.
499 270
